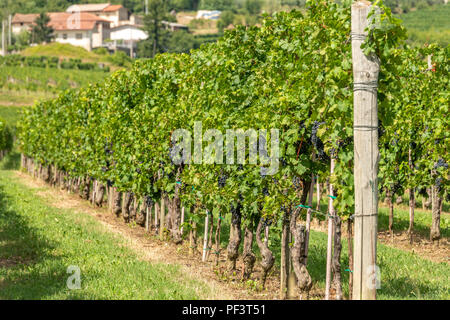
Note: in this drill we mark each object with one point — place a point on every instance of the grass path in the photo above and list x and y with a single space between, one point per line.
38 242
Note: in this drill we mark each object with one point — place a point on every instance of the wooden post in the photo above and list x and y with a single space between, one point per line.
331 215
9 30
308 219
412 200
365 126
156 216
318 193
3 39
162 217
182 220
146 219
205 238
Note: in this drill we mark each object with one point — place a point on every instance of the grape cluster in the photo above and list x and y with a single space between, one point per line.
235 213
381 129
396 187
108 147
148 201
222 180
267 222
317 143
440 164
265 192
296 182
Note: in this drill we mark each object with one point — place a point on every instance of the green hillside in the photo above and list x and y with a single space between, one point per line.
427 25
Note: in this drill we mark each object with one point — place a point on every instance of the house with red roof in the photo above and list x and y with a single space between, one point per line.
115 13
79 29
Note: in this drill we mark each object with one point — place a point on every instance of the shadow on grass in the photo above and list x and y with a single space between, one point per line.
11 161
29 264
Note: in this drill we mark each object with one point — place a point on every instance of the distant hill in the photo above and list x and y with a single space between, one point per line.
427 25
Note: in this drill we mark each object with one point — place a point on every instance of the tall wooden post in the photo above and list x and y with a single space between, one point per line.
3 38
205 237
162 216
365 127
331 214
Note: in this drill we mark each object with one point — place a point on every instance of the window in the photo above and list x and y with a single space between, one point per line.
64 36
79 36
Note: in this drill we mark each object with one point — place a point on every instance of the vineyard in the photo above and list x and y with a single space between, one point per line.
113 142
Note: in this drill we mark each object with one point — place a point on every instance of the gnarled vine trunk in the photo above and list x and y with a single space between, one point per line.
176 211
217 240
336 263
426 201
248 256
235 236
350 256
267 259
436 202
116 201
99 194
126 201
297 251
284 263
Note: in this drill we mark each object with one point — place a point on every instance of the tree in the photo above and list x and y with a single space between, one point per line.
216 4
157 33
226 18
181 42
253 6
41 32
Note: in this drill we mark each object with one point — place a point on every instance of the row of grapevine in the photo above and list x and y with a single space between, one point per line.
6 138
294 73
17 60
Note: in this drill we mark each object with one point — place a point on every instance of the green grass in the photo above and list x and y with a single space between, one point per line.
40 242
428 25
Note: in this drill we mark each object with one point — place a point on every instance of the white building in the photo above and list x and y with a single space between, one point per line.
79 29
208 14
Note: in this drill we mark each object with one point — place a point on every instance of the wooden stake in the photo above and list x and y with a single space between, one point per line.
146 219
156 215
182 220
162 217
205 238
331 215
318 193
308 219
365 126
